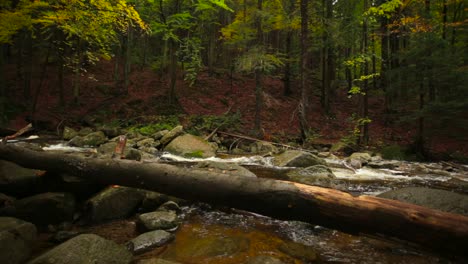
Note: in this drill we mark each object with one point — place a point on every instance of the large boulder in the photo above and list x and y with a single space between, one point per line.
169 136
149 240
16 239
16 180
314 175
85 249
226 168
296 158
90 140
44 208
113 203
190 146
433 198
69 133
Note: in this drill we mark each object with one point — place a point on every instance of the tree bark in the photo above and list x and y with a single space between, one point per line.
279 199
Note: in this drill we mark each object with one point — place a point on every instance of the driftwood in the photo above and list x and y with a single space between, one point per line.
279 199
261 140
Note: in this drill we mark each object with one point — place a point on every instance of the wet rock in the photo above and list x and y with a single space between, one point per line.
300 251
170 206
225 168
147 142
175 132
158 220
156 261
44 208
91 140
364 157
16 180
69 133
6 200
296 158
85 131
190 146
113 203
148 241
86 248
260 147
16 239
150 150
210 246
152 201
106 150
314 175
263 259
384 164
64 235
436 199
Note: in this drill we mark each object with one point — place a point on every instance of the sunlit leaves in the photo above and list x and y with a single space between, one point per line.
257 59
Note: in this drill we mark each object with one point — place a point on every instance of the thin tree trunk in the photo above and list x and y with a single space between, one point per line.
304 104
287 67
259 76
434 229
128 54
172 73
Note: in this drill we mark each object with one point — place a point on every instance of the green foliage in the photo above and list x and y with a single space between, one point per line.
357 122
195 154
384 10
257 58
189 53
165 122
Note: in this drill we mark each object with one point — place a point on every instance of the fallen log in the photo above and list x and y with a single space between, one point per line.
279 199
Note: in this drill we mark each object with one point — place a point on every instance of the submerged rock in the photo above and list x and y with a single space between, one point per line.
300 251
156 261
296 158
190 146
264 259
113 203
86 248
149 240
16 239
433 198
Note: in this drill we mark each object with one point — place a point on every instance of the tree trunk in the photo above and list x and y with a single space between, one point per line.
279 199
259 76
304 104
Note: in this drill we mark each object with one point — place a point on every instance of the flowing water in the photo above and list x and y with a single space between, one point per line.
220 235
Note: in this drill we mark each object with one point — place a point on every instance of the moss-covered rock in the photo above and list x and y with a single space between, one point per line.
190 146
296 158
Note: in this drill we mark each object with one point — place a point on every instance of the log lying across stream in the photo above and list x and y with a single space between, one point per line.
279 199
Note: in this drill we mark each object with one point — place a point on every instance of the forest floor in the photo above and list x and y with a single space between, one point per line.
215 94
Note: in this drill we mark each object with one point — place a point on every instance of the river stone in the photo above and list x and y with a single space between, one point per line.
175 132
226 168
384 164
152 201
147 142
210 246
113 203
263 259
16 180
170 206
69 133
106 150
91 140
86 248
156 261
110 131
190 146
16 239
148 241
296 158
160 134
433 198
260 147
364 157
158 220
45 208
300 251
85 131
314 175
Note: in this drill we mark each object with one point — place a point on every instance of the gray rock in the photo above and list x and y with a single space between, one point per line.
226 168
263 259
64 235
158 220
147 142
152 201
106 150
364 157
113 203
91 140
85 131
314 175
69 133
300 251
169 136
86 248
16 180
296 158
384 164
160 134
45 208
156 261
111 131
16 240
433 198
148 241
190 146
170 206
259 147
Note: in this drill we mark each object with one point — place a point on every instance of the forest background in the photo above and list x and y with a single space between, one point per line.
390 74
